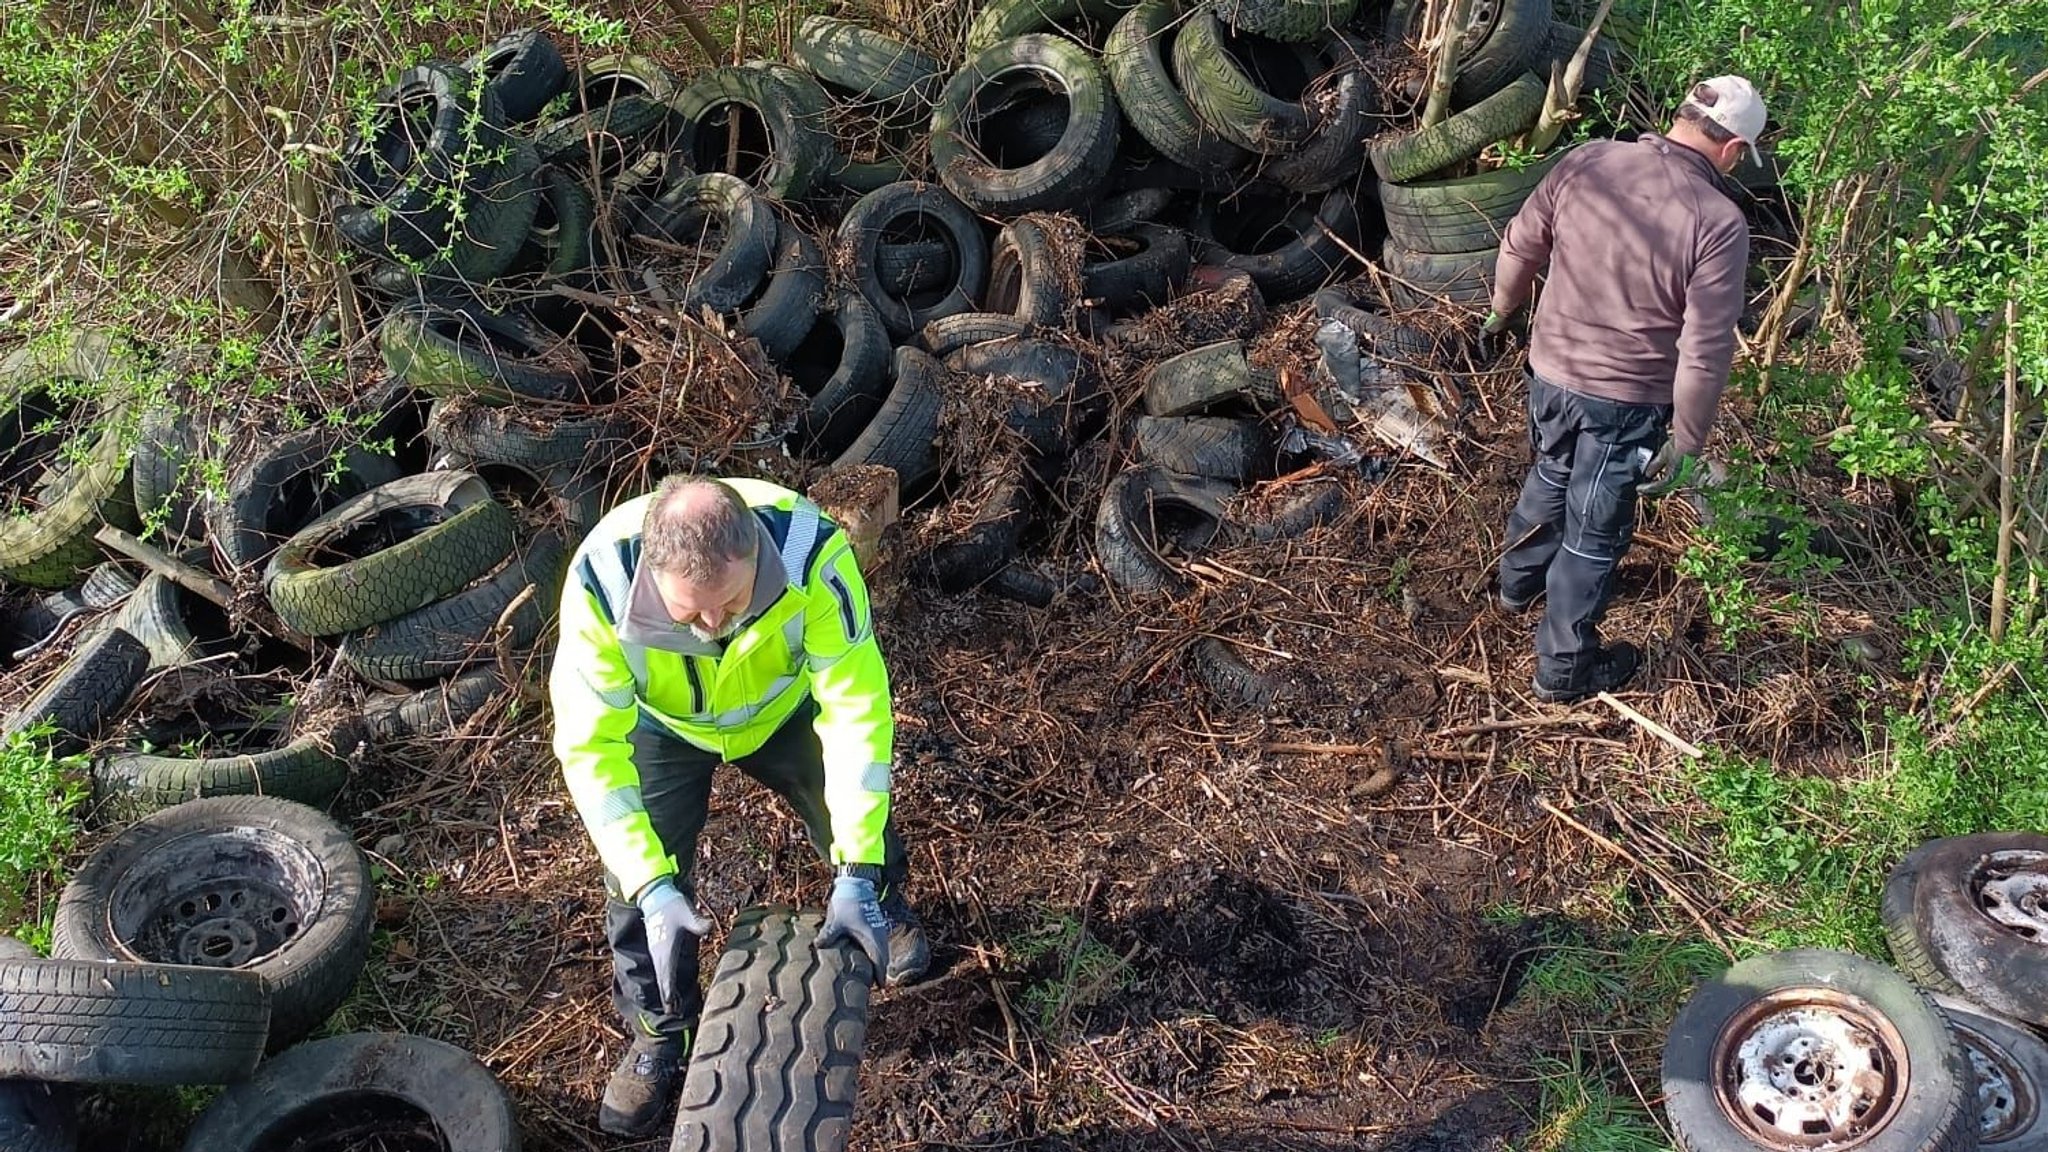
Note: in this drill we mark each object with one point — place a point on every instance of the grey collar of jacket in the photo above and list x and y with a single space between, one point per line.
649 625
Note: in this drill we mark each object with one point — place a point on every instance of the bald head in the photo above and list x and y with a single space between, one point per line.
697 529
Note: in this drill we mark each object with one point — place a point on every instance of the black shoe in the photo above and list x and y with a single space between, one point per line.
641 1089
1512 607
910 951
1610 668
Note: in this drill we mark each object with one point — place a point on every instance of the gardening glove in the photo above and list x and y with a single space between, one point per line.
668 915
1667 470
854 913
1493 336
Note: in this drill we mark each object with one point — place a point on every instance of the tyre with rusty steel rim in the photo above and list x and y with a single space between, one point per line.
1968 915
1812 1049
2010 1066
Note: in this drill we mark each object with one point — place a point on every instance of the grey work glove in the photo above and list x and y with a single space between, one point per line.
668 915
854 913
1667 470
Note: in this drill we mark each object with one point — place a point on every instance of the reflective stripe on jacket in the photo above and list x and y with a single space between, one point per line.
815 640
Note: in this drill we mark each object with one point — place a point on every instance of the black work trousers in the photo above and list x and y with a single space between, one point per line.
675 784
1576 517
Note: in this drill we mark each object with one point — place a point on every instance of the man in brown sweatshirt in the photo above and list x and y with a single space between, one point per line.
1628 354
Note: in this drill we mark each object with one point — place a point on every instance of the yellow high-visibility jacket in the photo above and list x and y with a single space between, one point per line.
814 640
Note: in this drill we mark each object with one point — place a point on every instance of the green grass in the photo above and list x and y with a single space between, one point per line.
38 793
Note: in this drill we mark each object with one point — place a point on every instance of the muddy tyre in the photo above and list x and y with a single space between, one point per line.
1226 674
459 632
1067 175
2009 1064
782 315
432 712
1195 380
1061 397
409 1090
519 439
252 883
869 224
86 693
164 475
1423 278
87 1022
1964 915
1818 1047
741 216
949 334
1032 269
875 68
1217 73
1316 508
458 348
304 769
843 364
48 547
903 433
1506 113
789 109
286 486
616 104
1320 233
449 530
1220 448
1330 157
1144 511
777 1057
1387 339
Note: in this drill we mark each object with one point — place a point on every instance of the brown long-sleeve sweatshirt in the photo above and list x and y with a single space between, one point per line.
1646 257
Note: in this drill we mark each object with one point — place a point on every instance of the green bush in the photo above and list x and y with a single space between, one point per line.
38 794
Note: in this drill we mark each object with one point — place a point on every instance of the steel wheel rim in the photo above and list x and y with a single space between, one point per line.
1810 1067
226 898
2005 1104
2011 890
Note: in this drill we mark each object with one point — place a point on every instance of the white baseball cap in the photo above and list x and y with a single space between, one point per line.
1736 107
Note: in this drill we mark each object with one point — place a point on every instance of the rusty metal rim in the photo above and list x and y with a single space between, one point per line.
1896 1071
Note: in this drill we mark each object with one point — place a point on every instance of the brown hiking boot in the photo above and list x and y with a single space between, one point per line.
641 1088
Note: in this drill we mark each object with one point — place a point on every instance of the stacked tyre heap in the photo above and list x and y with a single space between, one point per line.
431 587
201 945
913 246
1811 1048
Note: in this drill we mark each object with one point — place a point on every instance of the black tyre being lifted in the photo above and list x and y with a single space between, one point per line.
778 1049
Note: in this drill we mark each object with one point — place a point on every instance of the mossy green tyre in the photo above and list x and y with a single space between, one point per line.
1506 113
1000 20
1295 20
874 66
1462 214
137 783
1151 100
1227 98
49 546
472 534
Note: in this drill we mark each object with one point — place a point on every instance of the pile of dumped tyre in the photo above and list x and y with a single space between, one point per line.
1818 1049
915 246
200 946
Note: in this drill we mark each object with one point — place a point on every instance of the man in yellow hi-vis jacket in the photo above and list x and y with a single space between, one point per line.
720 621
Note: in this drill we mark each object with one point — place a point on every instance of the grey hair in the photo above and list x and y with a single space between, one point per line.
1694 112
695 527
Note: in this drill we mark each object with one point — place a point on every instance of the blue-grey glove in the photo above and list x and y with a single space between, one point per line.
668 915
1666 471
853 913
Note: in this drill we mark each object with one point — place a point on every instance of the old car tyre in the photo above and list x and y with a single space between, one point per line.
970 160
91 1022
253 883
392 550
47 542
1812 1049
1969 915
363 1090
